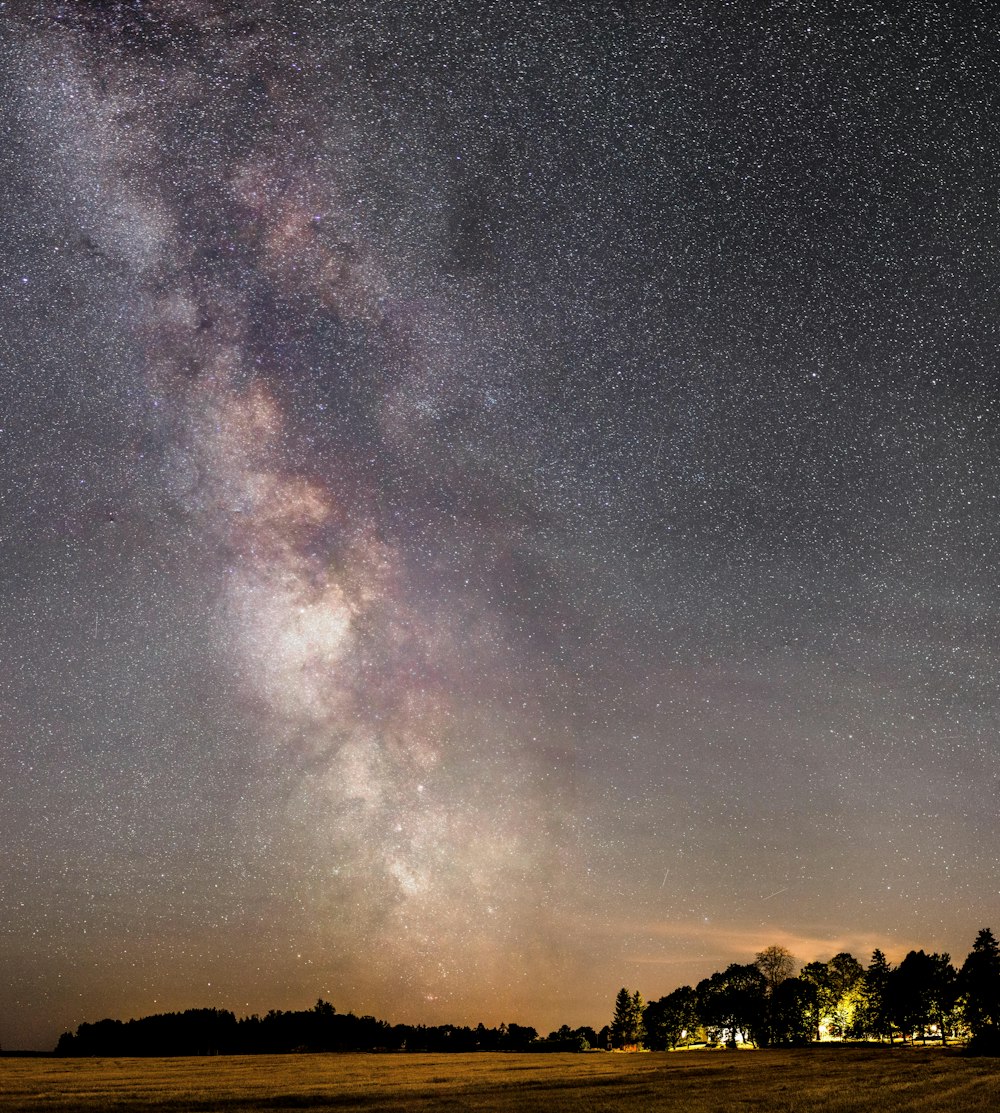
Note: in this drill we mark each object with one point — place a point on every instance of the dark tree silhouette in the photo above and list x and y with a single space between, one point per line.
910 989
567 1039
322 1028
790 1011
873 1017
944 994
733 1003
671 1020
626 1025
776 964
979 982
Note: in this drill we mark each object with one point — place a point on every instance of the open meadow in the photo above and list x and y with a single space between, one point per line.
812 1080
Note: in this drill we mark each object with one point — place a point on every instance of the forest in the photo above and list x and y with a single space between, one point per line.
760 1004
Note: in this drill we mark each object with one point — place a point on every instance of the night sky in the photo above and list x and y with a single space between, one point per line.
496 503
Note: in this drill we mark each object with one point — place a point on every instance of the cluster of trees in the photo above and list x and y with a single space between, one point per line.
764 1004
321 1028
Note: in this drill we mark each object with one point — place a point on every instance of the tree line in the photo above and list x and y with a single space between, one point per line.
763 1003
321 1028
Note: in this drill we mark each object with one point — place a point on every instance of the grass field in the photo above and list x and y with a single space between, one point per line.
813 1080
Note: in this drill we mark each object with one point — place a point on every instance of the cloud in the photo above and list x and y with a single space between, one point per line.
718 942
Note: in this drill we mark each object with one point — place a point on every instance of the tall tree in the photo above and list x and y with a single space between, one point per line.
818 975
873 1015
910 994
776 964
943 993
626 1026
638 1024
979 981
790 1013
846 977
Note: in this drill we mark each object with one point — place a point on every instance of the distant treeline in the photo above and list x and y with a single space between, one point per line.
321 1028
763 1003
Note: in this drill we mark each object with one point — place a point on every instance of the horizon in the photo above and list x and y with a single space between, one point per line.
494 506
552 1025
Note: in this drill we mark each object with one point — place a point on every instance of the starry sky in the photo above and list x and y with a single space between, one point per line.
496 502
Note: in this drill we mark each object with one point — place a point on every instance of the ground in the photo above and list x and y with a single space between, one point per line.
811 1080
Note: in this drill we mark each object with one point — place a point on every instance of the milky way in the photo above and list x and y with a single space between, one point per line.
494 506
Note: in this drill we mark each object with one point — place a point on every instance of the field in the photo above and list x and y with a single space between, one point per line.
812 1080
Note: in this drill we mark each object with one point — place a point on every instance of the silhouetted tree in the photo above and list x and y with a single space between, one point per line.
626 1025
873 1015
776 964
519 1037
672 1019
790 1012
638 1008
322 1028
923 991
66 1044
979 982
733 1003
621 1022
487 1039
587 1033
818 975
944 994
910 995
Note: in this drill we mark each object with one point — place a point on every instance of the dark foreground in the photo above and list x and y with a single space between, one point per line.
812 1080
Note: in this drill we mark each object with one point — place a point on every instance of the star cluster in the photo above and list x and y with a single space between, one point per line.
494 505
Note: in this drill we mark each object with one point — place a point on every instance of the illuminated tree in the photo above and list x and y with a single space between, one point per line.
587 1033
838 984
621 1020
846 978
818 975
565 1038
910 995
639 1028
923 990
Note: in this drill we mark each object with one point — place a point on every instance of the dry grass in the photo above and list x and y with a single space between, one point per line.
817 1080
